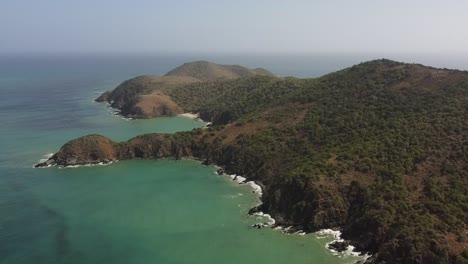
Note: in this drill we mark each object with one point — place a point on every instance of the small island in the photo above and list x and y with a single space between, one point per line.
378 150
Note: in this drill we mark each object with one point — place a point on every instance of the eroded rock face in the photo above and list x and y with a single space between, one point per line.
313 208
90 149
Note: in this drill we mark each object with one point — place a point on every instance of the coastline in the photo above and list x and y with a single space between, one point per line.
113 111
335 235
49 155
190 115
116 112
195 116
265 220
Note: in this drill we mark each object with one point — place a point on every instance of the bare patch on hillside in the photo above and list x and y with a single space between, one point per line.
158 104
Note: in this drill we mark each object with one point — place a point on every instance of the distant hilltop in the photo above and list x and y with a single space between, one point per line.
209 71
147 96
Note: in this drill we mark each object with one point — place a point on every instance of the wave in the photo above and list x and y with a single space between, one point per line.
71 166
44 158
336 236
87 165
268 220
190 115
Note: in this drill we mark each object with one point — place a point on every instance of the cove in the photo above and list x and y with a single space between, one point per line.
157 212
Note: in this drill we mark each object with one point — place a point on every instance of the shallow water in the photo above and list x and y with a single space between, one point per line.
128 212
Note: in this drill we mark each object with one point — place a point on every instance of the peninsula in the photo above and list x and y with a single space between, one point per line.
152 96
378 150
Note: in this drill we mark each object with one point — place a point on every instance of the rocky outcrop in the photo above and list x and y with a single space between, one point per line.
90 149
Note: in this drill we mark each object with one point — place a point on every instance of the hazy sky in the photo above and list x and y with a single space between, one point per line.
234 26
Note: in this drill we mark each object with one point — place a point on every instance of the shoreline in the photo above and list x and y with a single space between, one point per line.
335 235
113 111
195 116
190 115
270 222
116 112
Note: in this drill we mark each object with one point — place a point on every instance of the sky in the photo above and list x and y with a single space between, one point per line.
234 26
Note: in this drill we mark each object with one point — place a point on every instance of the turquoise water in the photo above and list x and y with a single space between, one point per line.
146 212
128 212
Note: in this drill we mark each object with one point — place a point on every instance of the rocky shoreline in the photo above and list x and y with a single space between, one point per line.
94 150
337 245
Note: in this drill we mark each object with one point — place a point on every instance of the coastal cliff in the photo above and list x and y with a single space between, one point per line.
377 150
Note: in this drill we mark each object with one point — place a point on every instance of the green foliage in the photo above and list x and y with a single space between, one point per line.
234 98
382 119
393 123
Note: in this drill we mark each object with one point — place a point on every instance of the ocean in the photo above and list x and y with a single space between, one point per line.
140 211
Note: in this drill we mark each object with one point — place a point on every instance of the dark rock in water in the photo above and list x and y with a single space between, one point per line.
207 162
47 163
220 171
260 225
253 210
339 246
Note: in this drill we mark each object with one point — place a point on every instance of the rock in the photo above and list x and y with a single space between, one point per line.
207 162
260 225
339 246
47 163
90 149
254 210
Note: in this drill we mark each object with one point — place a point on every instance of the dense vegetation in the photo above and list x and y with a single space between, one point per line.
208 71
401 130
378 150
127 96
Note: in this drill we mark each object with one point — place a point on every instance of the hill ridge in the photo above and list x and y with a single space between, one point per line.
210 71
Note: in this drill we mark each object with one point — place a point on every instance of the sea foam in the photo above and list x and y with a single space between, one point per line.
336 235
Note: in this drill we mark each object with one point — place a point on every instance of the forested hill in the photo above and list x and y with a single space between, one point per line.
378 150
209 71
146 96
